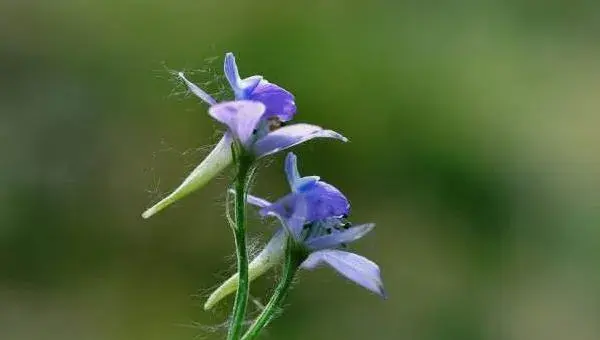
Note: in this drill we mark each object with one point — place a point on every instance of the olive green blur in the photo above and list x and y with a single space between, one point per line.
474 146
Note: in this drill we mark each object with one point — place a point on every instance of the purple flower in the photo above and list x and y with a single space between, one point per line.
310 199
247 124
278 102
314 214
255 120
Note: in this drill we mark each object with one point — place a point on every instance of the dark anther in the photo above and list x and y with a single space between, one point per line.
273 123
345 216
329 231
347 225
254 131
343 245
283 123
306 226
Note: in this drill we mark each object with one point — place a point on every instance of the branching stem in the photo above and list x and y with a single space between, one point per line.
293 258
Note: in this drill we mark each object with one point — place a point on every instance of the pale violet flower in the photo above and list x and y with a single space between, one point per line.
314 214
255 120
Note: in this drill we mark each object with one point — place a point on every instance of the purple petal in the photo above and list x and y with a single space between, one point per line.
231 71
278 101
291 169
241 88
257 201
291 135
362 271
197 91
292 225
292 218
336 239
324 200
321 201
306 183
249 84
296 182
240 116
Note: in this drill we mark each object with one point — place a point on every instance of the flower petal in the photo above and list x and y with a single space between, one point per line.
291 135
291 213
216 161
249 84
336 239
361 270
254 200
241 88
240 116
323 200
292 220
197 91
306 183
296 182
257 201
291 169
271 255
279 102
231 70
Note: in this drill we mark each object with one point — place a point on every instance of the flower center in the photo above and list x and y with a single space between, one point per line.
267 125
274 123
328 226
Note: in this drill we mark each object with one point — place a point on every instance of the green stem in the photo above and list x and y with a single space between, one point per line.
293 258
241 298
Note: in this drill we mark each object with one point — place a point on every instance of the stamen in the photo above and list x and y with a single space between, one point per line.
273 123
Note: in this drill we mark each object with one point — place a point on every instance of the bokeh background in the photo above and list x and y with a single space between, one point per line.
474 147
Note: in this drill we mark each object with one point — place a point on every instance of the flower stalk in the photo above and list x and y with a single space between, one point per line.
244 174
294 256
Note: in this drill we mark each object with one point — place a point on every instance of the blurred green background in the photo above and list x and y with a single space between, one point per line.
474 147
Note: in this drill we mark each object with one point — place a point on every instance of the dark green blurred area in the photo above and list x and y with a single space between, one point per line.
474 147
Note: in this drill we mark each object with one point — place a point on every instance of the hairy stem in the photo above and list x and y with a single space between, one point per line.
293 259
242 181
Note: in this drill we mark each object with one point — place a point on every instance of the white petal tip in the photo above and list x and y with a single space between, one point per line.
154 209
147 214
335 135
165 202
228 287
209 305
341 137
